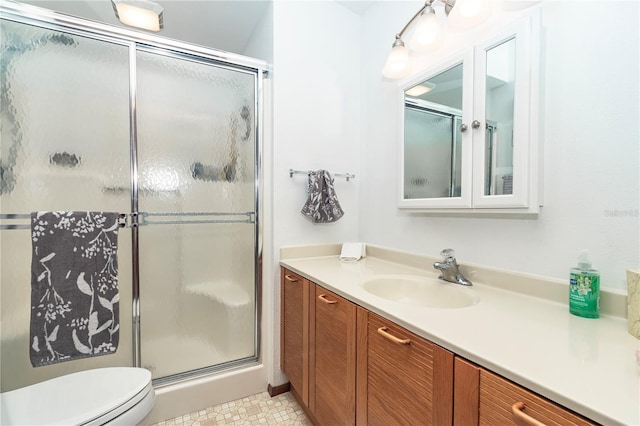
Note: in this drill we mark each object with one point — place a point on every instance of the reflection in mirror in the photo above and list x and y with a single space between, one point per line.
432 148
500 91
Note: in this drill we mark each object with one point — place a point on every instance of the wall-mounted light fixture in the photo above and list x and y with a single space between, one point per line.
427 35
143 14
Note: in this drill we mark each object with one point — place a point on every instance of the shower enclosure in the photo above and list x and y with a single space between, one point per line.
95 118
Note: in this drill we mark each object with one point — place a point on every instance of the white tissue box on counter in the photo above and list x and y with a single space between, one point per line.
352 252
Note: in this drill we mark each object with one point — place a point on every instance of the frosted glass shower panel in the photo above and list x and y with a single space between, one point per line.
197 168
196 132
64 145
65 120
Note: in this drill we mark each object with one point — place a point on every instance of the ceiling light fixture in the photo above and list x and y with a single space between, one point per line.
420 89
428 36
143 14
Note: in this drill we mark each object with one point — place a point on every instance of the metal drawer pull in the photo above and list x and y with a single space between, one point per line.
517 410
323 297
383 331
290 278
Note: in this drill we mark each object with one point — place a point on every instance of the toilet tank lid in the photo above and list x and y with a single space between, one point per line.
74 398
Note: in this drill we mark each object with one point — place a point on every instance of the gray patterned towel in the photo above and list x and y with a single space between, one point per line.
74 286
322 204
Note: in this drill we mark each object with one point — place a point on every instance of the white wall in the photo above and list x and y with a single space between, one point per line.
591 160
260 44
333 109
316 93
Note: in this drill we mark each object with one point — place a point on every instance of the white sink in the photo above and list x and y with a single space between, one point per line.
421 291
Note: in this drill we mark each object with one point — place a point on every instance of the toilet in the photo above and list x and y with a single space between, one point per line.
102 396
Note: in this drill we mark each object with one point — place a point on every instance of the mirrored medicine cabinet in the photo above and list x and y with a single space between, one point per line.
469 132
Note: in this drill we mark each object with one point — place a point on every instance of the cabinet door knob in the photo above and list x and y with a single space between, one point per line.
475 124
384 333
463 127
323 297
517 410
290 278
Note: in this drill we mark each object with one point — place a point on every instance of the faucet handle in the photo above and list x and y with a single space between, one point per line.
448 254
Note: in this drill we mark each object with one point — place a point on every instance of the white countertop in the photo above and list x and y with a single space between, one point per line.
586 365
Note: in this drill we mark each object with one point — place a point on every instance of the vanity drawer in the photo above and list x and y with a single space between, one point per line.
505 403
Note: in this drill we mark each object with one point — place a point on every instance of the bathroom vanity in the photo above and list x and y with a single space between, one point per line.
354 355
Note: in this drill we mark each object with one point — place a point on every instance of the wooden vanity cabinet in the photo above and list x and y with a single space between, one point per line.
402 378
347 365
318 349
484 398
332 358
294 333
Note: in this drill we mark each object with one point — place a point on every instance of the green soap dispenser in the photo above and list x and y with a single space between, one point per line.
584 289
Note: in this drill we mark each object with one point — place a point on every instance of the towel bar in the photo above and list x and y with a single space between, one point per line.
347 176
125 221
122 221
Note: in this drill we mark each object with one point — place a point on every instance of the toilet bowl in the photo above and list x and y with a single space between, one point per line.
103 396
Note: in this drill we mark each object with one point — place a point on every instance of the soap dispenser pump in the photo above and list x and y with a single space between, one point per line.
584 289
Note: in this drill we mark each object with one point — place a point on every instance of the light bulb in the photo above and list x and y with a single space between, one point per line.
470 8
469 13
397 65
516 5
428 33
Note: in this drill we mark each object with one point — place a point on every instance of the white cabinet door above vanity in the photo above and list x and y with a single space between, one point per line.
469 128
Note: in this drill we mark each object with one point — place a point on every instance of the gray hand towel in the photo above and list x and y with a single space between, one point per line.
322 204
74 286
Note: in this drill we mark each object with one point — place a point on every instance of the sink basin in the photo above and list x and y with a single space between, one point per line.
421 291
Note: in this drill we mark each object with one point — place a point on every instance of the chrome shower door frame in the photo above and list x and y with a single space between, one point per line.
135 41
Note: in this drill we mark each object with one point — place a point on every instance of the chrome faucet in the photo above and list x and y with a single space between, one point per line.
449 268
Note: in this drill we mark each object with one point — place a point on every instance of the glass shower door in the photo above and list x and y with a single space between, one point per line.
64 145
197 203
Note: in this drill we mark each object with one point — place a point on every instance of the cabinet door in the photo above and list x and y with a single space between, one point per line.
504 111
294 332
332 384
466 393
435 147
404 379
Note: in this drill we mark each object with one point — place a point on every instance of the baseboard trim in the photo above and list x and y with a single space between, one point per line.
277 390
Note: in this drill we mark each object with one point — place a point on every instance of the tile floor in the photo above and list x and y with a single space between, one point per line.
259 409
